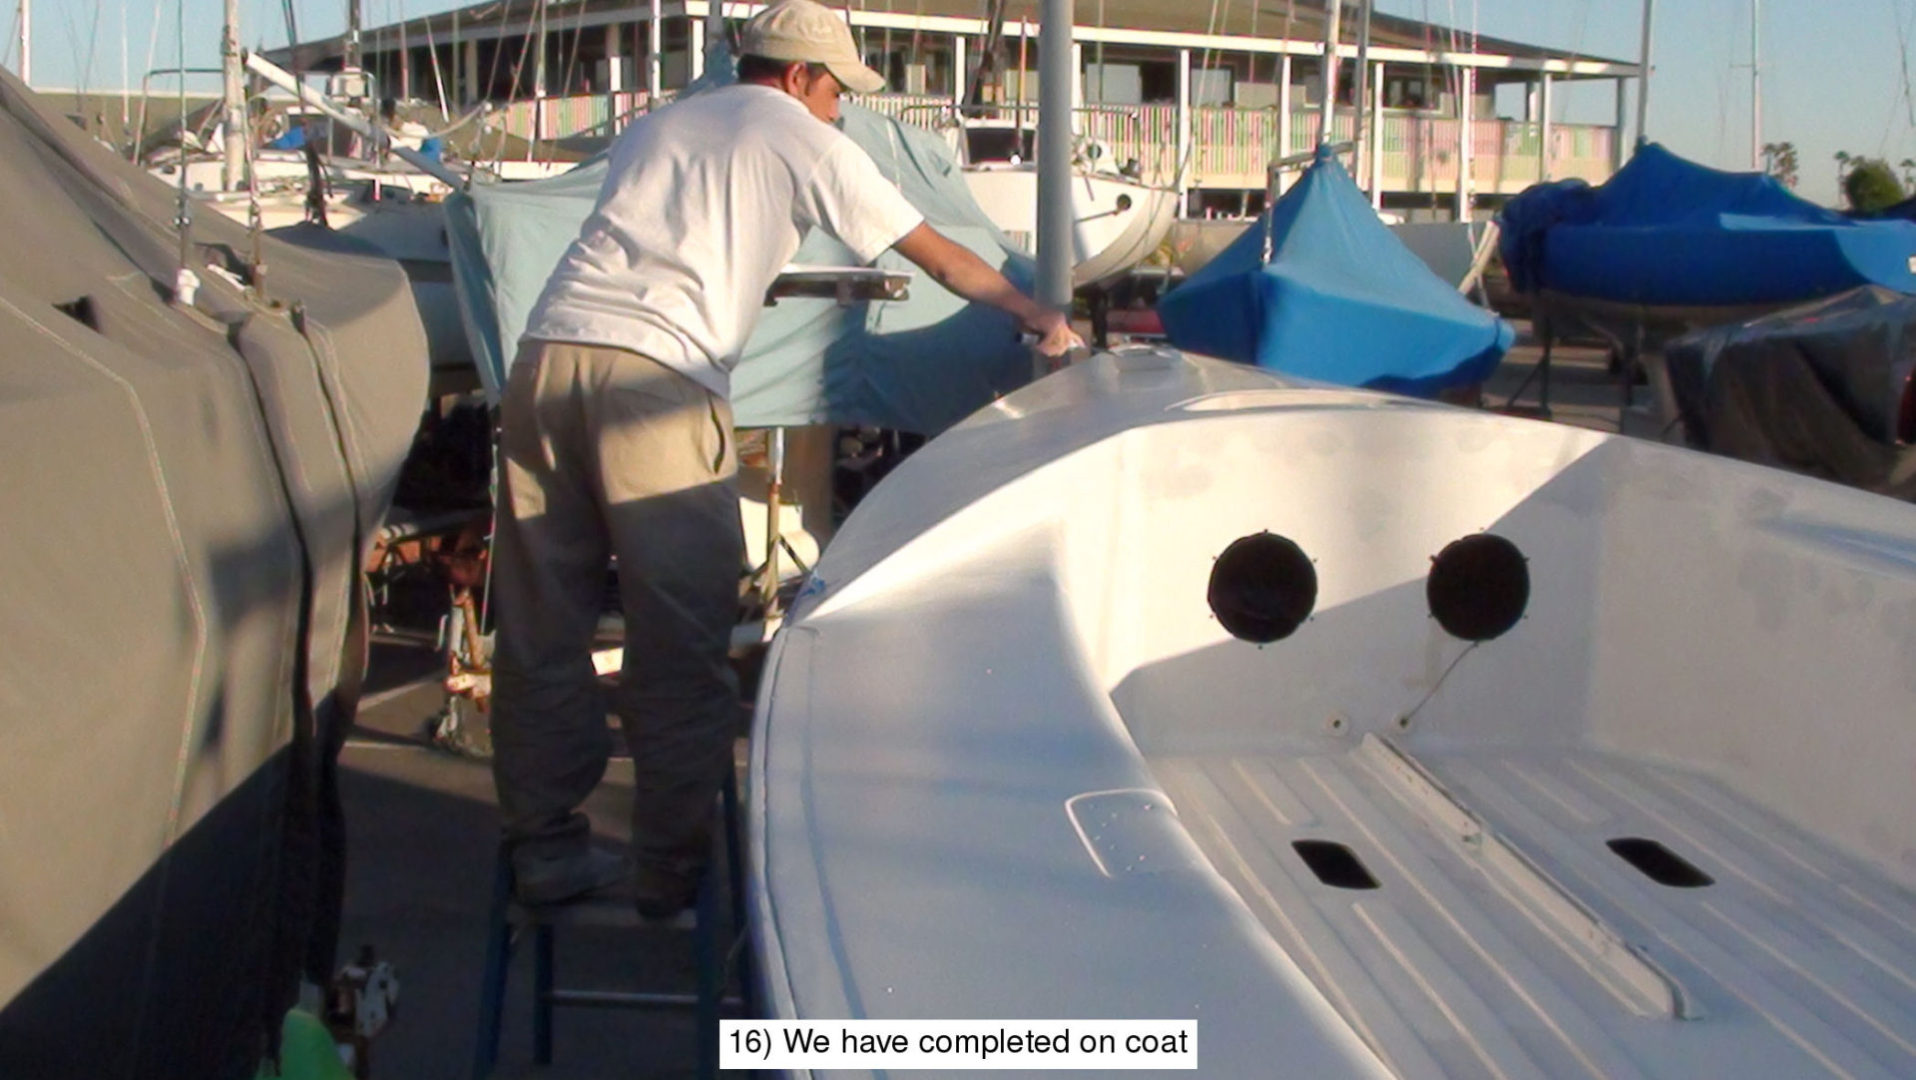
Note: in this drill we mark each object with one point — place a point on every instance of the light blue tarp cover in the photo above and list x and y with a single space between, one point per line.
916 365
1341 301
1665 232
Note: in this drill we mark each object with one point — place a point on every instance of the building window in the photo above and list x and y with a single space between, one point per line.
1211 86
1113 84
1159 82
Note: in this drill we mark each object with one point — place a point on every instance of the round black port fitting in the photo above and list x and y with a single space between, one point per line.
1262 587
1479 587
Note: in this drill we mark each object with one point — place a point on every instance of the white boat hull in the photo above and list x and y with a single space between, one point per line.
1008 761
1117 222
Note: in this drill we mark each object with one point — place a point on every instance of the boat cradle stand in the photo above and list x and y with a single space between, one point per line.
509 921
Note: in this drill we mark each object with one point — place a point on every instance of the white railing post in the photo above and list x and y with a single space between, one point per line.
654 42
958 87
1376 126
1283 107
1546 158
1184 126
696 62
614 78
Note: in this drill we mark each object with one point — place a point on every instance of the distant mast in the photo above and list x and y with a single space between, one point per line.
26 42
1643 81
233 134
1332 10
350 60
1756 85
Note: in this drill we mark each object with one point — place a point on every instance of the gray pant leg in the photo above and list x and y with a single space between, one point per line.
666 465
550 741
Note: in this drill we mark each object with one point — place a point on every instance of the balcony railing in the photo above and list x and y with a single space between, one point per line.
1229 146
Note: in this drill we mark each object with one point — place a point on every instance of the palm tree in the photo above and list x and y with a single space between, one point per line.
1779 160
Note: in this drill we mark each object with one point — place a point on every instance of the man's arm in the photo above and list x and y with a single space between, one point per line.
956 268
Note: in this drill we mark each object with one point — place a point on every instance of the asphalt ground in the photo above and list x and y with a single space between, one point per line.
423 834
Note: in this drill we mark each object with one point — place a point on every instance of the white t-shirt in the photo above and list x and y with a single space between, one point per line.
704 203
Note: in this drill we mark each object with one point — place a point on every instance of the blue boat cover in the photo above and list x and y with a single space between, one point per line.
1665 232
916 365
1341 301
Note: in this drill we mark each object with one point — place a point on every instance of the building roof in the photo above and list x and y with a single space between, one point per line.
1294 20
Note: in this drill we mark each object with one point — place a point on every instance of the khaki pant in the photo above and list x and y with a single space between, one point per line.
610 454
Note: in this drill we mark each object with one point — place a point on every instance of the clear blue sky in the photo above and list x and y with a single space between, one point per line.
1833 70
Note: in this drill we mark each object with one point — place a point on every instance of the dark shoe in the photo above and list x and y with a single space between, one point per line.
664 895
540 879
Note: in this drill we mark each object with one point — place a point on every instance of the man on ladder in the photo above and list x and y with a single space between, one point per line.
617 440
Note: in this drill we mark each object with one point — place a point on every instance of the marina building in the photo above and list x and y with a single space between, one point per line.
1203 96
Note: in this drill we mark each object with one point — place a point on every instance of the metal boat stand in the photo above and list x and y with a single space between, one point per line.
847 285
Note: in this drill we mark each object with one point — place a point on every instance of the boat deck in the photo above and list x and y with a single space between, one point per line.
1477 920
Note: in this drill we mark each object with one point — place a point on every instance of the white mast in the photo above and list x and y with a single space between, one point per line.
233 133
26 42
1332 9
1756 85
1054 154
1643 81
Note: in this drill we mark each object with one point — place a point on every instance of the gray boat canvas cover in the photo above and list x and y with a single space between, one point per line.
187 495
920 364
1823 388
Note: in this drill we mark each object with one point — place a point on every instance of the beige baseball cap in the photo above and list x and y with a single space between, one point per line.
810 33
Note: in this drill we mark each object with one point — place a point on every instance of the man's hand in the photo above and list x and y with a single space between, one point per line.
956 268
1055 336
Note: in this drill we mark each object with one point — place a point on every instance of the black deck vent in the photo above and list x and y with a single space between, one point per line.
1479 587
1262 588
1659 863
82 311
1334 864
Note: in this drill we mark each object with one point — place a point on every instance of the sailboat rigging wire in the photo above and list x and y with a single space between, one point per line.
182 290
255 222
438 79
152 47
1902 59
485 91
1723 79
525 51
572 60
498 50
85 82
1205 60
125 75
987 53
1429 90
1100 53
541 85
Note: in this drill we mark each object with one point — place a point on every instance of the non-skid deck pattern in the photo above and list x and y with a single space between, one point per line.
1505 936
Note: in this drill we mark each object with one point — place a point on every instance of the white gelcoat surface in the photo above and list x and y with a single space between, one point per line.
1007 763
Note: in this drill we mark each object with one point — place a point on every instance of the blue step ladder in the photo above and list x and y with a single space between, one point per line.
511 922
